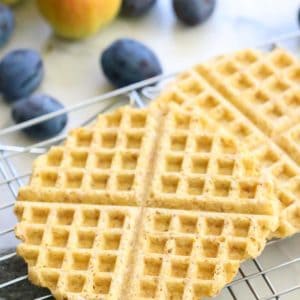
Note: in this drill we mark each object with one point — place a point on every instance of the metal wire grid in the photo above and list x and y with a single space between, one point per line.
138 95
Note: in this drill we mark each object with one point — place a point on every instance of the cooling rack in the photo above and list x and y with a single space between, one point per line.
274 275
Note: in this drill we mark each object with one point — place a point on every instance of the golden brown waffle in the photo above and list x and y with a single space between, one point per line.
200 167
80 248
264 87
266 90
191 255
195 89
76 250
103 164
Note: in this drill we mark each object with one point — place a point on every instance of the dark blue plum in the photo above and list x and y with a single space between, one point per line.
7 24
134 8
36 106
193 12
21 72
128 61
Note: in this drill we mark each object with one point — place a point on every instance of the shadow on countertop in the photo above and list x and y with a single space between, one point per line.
12 268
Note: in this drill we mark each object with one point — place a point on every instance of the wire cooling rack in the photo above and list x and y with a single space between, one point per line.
274 275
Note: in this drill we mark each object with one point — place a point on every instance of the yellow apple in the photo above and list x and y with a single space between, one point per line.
78 18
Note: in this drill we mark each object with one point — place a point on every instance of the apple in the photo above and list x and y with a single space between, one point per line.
76 19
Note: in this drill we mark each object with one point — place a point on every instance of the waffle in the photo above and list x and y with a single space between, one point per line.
203 88
290 142
266 90
82 236
103 164
200 167
76 250
191 255
264 87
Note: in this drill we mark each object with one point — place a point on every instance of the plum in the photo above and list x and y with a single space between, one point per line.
127 61
134 8
36 106
7 24
21 72
193 12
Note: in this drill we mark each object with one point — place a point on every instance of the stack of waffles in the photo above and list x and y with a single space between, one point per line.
166 202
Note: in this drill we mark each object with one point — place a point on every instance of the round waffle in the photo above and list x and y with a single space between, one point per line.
144 204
